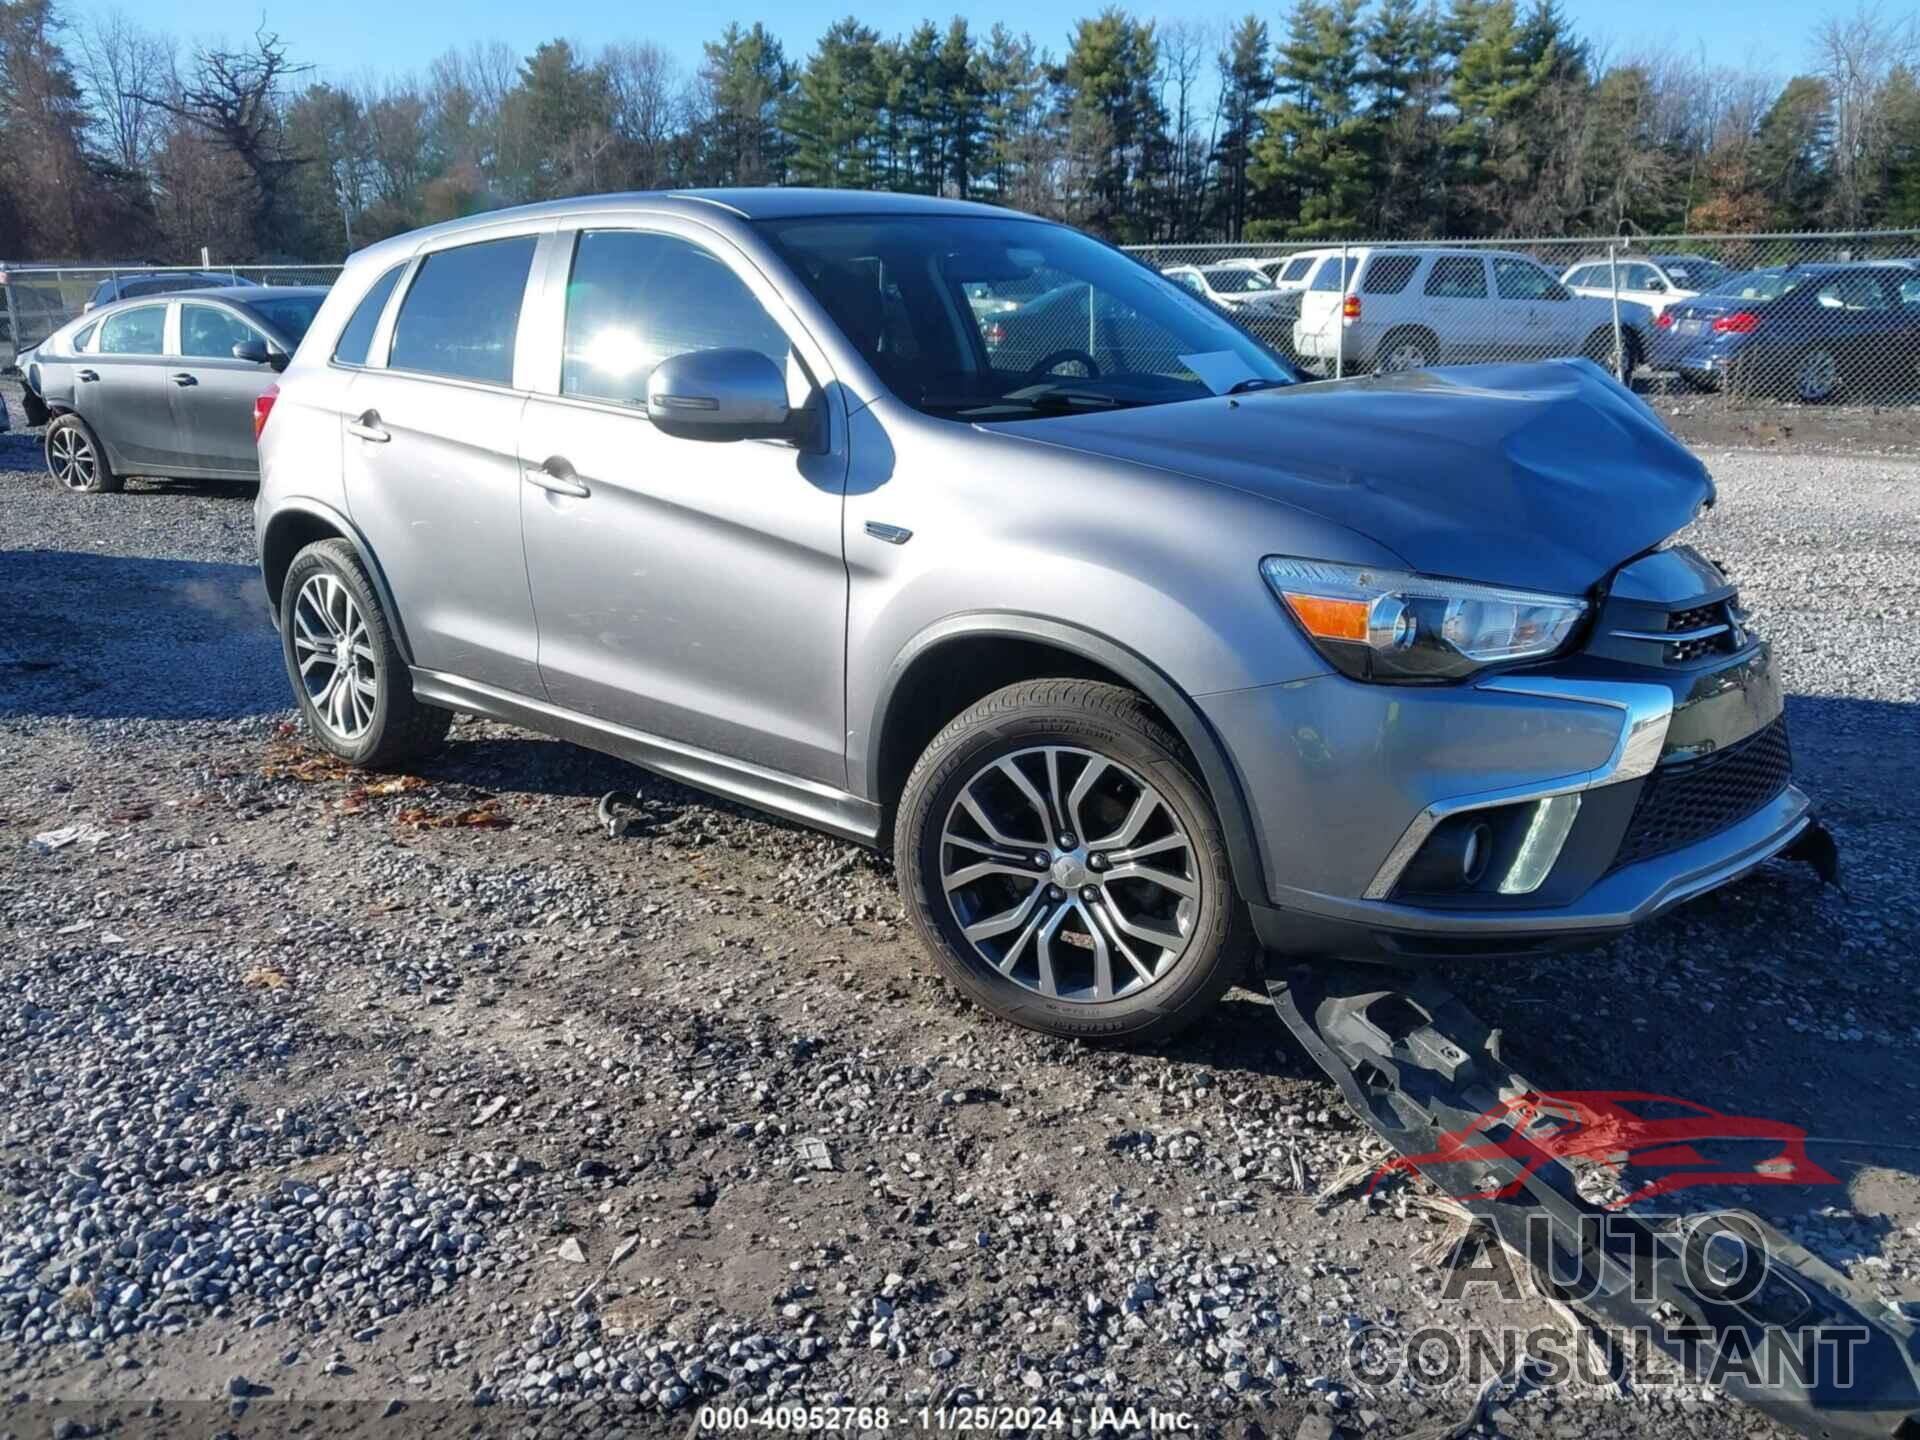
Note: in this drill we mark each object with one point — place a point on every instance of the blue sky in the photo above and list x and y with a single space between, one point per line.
348 38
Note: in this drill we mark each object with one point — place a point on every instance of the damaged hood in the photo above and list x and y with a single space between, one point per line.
1545 476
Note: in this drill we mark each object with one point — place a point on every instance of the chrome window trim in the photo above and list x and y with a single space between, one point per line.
1646 712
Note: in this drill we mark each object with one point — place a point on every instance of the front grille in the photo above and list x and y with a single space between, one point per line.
1682 803
1682 652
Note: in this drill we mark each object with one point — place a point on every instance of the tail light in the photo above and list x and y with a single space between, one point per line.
1663 321
1741 322
994 333
262 408
1350 308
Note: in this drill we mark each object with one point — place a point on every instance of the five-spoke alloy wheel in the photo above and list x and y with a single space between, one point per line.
1064 864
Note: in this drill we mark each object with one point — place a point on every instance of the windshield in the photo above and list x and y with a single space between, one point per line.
1758 285
1236 281
288 314
1094 330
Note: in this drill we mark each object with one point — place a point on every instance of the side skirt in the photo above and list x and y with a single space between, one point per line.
806 801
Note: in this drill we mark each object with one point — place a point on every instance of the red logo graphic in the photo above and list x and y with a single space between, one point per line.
1658 1136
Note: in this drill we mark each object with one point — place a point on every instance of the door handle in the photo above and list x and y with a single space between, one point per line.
556 475
367 426
89 375
181 377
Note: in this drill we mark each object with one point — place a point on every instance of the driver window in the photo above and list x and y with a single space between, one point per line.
207 333
636 298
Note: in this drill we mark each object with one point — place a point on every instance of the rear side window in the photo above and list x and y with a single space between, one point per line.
463 310
134 332
637 298
357 338
1388 274
1297 269
1458 277
1330 278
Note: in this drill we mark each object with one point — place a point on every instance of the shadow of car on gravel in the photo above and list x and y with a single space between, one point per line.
125 637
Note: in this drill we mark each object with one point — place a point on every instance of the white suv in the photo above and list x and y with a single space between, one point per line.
1406 308
1655 281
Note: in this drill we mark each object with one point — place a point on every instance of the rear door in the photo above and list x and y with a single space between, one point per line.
213 393
430 456
1459 310
1538 315
123 393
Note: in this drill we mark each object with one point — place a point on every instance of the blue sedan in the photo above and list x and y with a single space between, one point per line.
1812 333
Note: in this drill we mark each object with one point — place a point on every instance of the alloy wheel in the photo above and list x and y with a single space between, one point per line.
1407 355
1817 375
1069 874
71 457
336 656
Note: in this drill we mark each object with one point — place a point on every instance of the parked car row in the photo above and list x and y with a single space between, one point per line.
163 386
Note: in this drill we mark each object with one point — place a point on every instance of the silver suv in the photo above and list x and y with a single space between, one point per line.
1135 648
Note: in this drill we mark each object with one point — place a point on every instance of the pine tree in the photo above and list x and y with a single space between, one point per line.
1113 114
1246 83
833 111
1315 162
746 79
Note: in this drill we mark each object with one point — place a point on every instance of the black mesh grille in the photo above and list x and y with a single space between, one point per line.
1698 618
1680 804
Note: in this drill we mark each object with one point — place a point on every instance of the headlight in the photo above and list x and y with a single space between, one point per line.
1395 626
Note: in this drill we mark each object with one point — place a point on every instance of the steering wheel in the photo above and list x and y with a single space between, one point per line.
1045 364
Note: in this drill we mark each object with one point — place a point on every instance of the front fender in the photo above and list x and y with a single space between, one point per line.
1216 765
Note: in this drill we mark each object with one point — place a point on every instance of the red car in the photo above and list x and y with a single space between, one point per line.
1621 1129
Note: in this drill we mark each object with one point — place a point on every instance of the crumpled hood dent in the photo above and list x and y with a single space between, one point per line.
1546 476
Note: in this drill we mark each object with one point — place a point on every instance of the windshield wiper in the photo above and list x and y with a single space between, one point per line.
1256 382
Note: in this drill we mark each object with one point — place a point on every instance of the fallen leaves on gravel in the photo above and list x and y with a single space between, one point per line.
287 760
485 816
267 977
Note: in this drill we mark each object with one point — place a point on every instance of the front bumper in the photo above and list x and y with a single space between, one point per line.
1347 781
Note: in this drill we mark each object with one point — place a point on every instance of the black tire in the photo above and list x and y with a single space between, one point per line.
76 459
1801 386
1117 725
1406 342
401 728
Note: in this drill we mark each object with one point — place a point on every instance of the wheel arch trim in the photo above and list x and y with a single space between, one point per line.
1217 770
311 509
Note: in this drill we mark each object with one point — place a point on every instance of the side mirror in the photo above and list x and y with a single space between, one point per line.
723 395
1657 287
258 352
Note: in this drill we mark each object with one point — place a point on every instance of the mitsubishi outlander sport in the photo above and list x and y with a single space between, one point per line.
1136 650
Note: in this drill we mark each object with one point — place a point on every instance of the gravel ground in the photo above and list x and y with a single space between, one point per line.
339 1111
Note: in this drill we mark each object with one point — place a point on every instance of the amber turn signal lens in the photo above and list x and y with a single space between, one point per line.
1326 619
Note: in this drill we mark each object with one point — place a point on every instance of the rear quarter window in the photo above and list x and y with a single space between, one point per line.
1297 269
1329 277
357 338
462 311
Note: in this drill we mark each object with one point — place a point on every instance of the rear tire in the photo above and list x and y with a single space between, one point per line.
349 677
1080 961
1403 350
76 459
1598 348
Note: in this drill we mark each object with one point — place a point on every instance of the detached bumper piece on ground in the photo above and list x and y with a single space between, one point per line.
1421 1069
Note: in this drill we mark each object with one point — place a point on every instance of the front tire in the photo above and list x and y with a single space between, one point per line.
348 674
1131 932
76 459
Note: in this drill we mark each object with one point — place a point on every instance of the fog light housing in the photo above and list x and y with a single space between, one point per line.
1455 857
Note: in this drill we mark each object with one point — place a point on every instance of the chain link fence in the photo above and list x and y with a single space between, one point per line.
1797 319
36 300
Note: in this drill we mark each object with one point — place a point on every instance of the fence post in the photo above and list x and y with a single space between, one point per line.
1613 292
1340 320
13 324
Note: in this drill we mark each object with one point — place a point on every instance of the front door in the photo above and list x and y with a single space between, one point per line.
122 390
213 393
432 473
692 590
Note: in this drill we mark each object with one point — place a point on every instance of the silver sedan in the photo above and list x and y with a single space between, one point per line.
164 386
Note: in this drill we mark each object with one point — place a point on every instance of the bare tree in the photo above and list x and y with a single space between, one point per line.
121 66
1860 55
650 106
233 95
